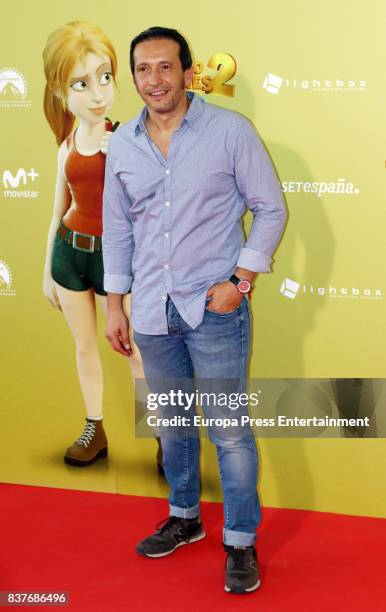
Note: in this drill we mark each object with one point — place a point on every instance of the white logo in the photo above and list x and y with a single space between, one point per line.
13 89
292 289
274 83
320 188
289 288
6 280
15 180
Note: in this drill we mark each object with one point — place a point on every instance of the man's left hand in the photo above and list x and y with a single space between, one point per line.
224 298
104 143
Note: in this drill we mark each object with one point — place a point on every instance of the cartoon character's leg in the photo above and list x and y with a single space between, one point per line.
138 375
79 311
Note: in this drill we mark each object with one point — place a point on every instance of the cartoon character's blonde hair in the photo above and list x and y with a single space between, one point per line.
64 48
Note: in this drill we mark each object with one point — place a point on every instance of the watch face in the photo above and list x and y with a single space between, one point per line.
244 286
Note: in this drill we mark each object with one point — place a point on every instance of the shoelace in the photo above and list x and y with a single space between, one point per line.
87 435
167 524
172 525
241 559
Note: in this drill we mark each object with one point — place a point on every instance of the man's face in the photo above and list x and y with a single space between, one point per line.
158 74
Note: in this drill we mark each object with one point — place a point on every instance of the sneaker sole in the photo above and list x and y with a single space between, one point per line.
200 536
239 591
100 455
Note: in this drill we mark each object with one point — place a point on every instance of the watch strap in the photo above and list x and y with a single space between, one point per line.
234 279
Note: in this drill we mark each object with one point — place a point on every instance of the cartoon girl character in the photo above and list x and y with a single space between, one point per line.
80 66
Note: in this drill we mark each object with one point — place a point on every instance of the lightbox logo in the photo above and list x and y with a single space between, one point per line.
272 83
19 179
341 186
289 288
6 280
292 289
13 89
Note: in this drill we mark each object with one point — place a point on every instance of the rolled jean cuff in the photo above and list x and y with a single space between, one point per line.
186 513
238 538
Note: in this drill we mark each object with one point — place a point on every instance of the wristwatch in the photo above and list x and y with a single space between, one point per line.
242 285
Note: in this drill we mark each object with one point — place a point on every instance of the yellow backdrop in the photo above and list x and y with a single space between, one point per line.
310 76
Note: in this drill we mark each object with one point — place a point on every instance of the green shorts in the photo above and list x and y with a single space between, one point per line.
75 269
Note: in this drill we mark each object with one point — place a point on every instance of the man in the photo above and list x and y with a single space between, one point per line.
177 181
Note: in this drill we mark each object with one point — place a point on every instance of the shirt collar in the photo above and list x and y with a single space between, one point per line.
191 118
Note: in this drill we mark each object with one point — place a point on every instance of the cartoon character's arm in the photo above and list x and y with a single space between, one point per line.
62 202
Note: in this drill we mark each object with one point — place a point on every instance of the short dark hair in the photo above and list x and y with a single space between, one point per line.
158 32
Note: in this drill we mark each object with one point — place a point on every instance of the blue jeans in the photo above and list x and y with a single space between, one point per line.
217 349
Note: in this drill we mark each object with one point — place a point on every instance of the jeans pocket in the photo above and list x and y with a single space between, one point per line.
227 314
222 314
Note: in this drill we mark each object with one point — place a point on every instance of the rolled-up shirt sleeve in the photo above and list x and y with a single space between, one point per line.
117 238
258 184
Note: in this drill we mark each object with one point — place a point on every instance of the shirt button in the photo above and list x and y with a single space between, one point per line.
167 203
166 234
166 266
167 171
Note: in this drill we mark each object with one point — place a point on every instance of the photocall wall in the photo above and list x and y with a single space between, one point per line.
311 78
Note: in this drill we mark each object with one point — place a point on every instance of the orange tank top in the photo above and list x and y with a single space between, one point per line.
85 175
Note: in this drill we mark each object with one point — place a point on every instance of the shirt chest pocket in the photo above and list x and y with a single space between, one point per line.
143 204
142 196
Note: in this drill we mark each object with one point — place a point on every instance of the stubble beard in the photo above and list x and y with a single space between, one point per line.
173 103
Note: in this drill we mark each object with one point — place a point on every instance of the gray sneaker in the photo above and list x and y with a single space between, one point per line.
171 533
241 569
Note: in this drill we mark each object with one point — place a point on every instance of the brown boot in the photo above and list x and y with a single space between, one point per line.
91 446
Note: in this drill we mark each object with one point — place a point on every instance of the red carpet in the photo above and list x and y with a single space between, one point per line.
84 543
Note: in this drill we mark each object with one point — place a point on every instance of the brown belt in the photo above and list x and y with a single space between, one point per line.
82 242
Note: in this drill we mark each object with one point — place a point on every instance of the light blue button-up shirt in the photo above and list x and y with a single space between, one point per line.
173 227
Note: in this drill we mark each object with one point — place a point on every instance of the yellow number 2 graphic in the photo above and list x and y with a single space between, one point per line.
225 64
